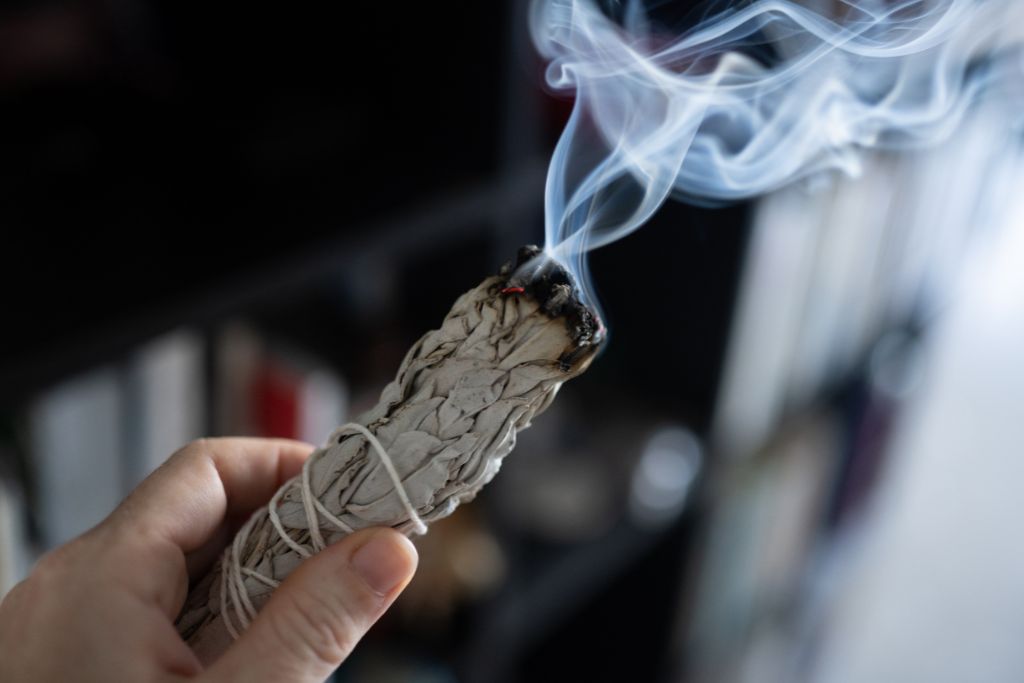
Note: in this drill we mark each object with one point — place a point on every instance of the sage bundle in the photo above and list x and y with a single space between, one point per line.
437 435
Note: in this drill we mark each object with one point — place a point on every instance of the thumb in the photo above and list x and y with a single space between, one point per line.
319 613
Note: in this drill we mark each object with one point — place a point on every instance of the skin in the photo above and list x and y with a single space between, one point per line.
102 607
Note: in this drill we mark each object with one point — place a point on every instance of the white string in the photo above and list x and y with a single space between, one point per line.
385 460
233 574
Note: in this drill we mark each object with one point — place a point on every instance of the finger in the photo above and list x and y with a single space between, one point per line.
210 480
315 618
182 506
201 560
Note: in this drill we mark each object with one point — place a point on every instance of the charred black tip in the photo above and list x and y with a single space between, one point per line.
556 291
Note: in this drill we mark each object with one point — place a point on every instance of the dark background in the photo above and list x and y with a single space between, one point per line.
162 164
337 178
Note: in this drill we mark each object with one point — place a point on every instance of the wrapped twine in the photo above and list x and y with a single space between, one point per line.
437 435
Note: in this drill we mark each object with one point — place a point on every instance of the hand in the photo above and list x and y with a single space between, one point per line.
102 607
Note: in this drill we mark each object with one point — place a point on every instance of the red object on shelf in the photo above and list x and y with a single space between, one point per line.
275 394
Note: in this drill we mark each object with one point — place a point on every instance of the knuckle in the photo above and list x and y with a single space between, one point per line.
195 447
23 592
54 570
48 564
309 622
55 561
65 563
193 453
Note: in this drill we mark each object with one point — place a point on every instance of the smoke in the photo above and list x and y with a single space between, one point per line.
702 116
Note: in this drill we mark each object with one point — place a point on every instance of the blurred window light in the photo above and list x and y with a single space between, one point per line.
894 367
664 475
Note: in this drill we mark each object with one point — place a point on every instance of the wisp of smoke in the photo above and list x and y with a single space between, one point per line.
697 116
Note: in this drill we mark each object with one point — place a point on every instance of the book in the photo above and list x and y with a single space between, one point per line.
269 389
77 436
167 388
15 554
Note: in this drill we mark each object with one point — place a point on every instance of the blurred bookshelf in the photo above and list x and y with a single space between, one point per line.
841 292
281 224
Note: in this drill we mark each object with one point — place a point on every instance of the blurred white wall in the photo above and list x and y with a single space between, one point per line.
935 589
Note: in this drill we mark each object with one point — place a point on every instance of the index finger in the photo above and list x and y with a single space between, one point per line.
207 481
